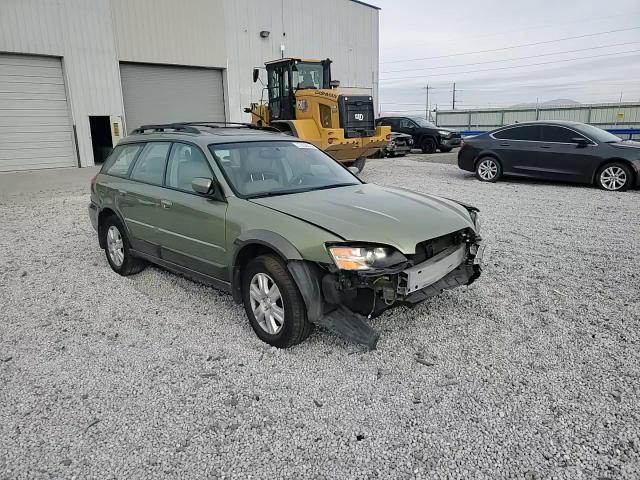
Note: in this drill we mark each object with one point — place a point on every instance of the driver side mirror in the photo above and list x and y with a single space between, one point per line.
203 186
256 74
580 142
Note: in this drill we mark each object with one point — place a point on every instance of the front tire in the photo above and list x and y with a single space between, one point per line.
273 303
428 145
614 177
118 249
488 169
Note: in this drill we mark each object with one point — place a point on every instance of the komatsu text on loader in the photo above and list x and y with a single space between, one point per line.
303 101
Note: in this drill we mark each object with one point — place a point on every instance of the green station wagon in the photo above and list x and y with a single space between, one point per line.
288 231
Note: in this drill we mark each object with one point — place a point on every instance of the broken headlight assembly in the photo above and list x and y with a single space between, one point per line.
475 218
365 257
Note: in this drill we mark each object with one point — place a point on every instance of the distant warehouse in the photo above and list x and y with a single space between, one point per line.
622 119
75 75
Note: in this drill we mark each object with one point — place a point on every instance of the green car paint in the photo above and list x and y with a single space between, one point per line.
211 236
373 214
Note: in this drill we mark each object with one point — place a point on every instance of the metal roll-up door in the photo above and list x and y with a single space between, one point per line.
35 126
165 94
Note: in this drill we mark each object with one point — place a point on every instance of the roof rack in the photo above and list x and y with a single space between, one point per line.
231 125
176 127
191 127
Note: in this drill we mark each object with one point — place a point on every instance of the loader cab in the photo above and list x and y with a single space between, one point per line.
288 75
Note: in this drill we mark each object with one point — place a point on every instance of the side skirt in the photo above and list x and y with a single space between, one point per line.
200 277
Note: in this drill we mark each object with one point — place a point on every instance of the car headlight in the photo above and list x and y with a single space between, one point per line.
443 132
365 257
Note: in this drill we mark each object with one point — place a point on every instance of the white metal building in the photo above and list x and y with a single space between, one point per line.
76 74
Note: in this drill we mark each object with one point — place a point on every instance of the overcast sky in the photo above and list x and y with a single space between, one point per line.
415 29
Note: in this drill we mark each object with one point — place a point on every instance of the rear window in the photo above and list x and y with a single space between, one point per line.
120 160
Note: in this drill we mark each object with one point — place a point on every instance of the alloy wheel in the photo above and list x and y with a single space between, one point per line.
115 246
266 303
613 178
488 169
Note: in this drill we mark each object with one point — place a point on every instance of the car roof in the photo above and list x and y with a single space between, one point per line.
205 135
566 123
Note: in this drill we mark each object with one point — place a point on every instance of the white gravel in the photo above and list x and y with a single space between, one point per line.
532 372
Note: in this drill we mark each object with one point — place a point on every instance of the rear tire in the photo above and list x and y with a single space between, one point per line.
118 249
488 169
274 305
428 145
614 177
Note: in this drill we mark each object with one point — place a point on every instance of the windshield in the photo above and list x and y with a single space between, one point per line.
599 135
308 75
257 169
423 123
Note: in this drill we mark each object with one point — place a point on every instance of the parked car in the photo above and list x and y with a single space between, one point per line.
399 145
553 150
291 233
427 136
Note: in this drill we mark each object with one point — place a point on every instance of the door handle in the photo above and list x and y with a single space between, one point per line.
165 203
504 144
122 193
545 146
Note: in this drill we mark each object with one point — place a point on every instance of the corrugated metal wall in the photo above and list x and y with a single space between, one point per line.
92 37
345 31
610 116
170 32
45 27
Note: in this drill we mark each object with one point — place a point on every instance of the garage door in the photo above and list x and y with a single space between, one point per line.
165 94
35 128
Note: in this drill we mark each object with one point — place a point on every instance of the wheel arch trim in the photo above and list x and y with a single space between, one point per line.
271 240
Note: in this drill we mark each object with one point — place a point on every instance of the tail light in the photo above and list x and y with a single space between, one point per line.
93 183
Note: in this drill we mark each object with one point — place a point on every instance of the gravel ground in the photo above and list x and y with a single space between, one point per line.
532 372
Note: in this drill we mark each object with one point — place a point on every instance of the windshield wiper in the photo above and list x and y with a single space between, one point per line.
299 190
333 185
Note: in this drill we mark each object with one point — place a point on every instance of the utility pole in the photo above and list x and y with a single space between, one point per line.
427 103
453 102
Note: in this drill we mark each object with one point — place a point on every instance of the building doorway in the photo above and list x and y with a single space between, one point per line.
100 138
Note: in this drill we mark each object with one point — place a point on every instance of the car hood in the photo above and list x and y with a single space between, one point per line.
626 144
371 213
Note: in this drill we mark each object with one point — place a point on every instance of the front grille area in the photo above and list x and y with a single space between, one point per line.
356 116
429 248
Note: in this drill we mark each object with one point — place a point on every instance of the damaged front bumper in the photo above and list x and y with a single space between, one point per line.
344 301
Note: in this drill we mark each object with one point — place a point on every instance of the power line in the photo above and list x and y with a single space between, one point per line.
515 46
510 59
512 66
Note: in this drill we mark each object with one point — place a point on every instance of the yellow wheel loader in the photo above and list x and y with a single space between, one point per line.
305 102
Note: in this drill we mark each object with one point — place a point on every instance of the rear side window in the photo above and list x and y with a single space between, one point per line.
559 135
186 163
526 132
120 160
149 167
406 123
